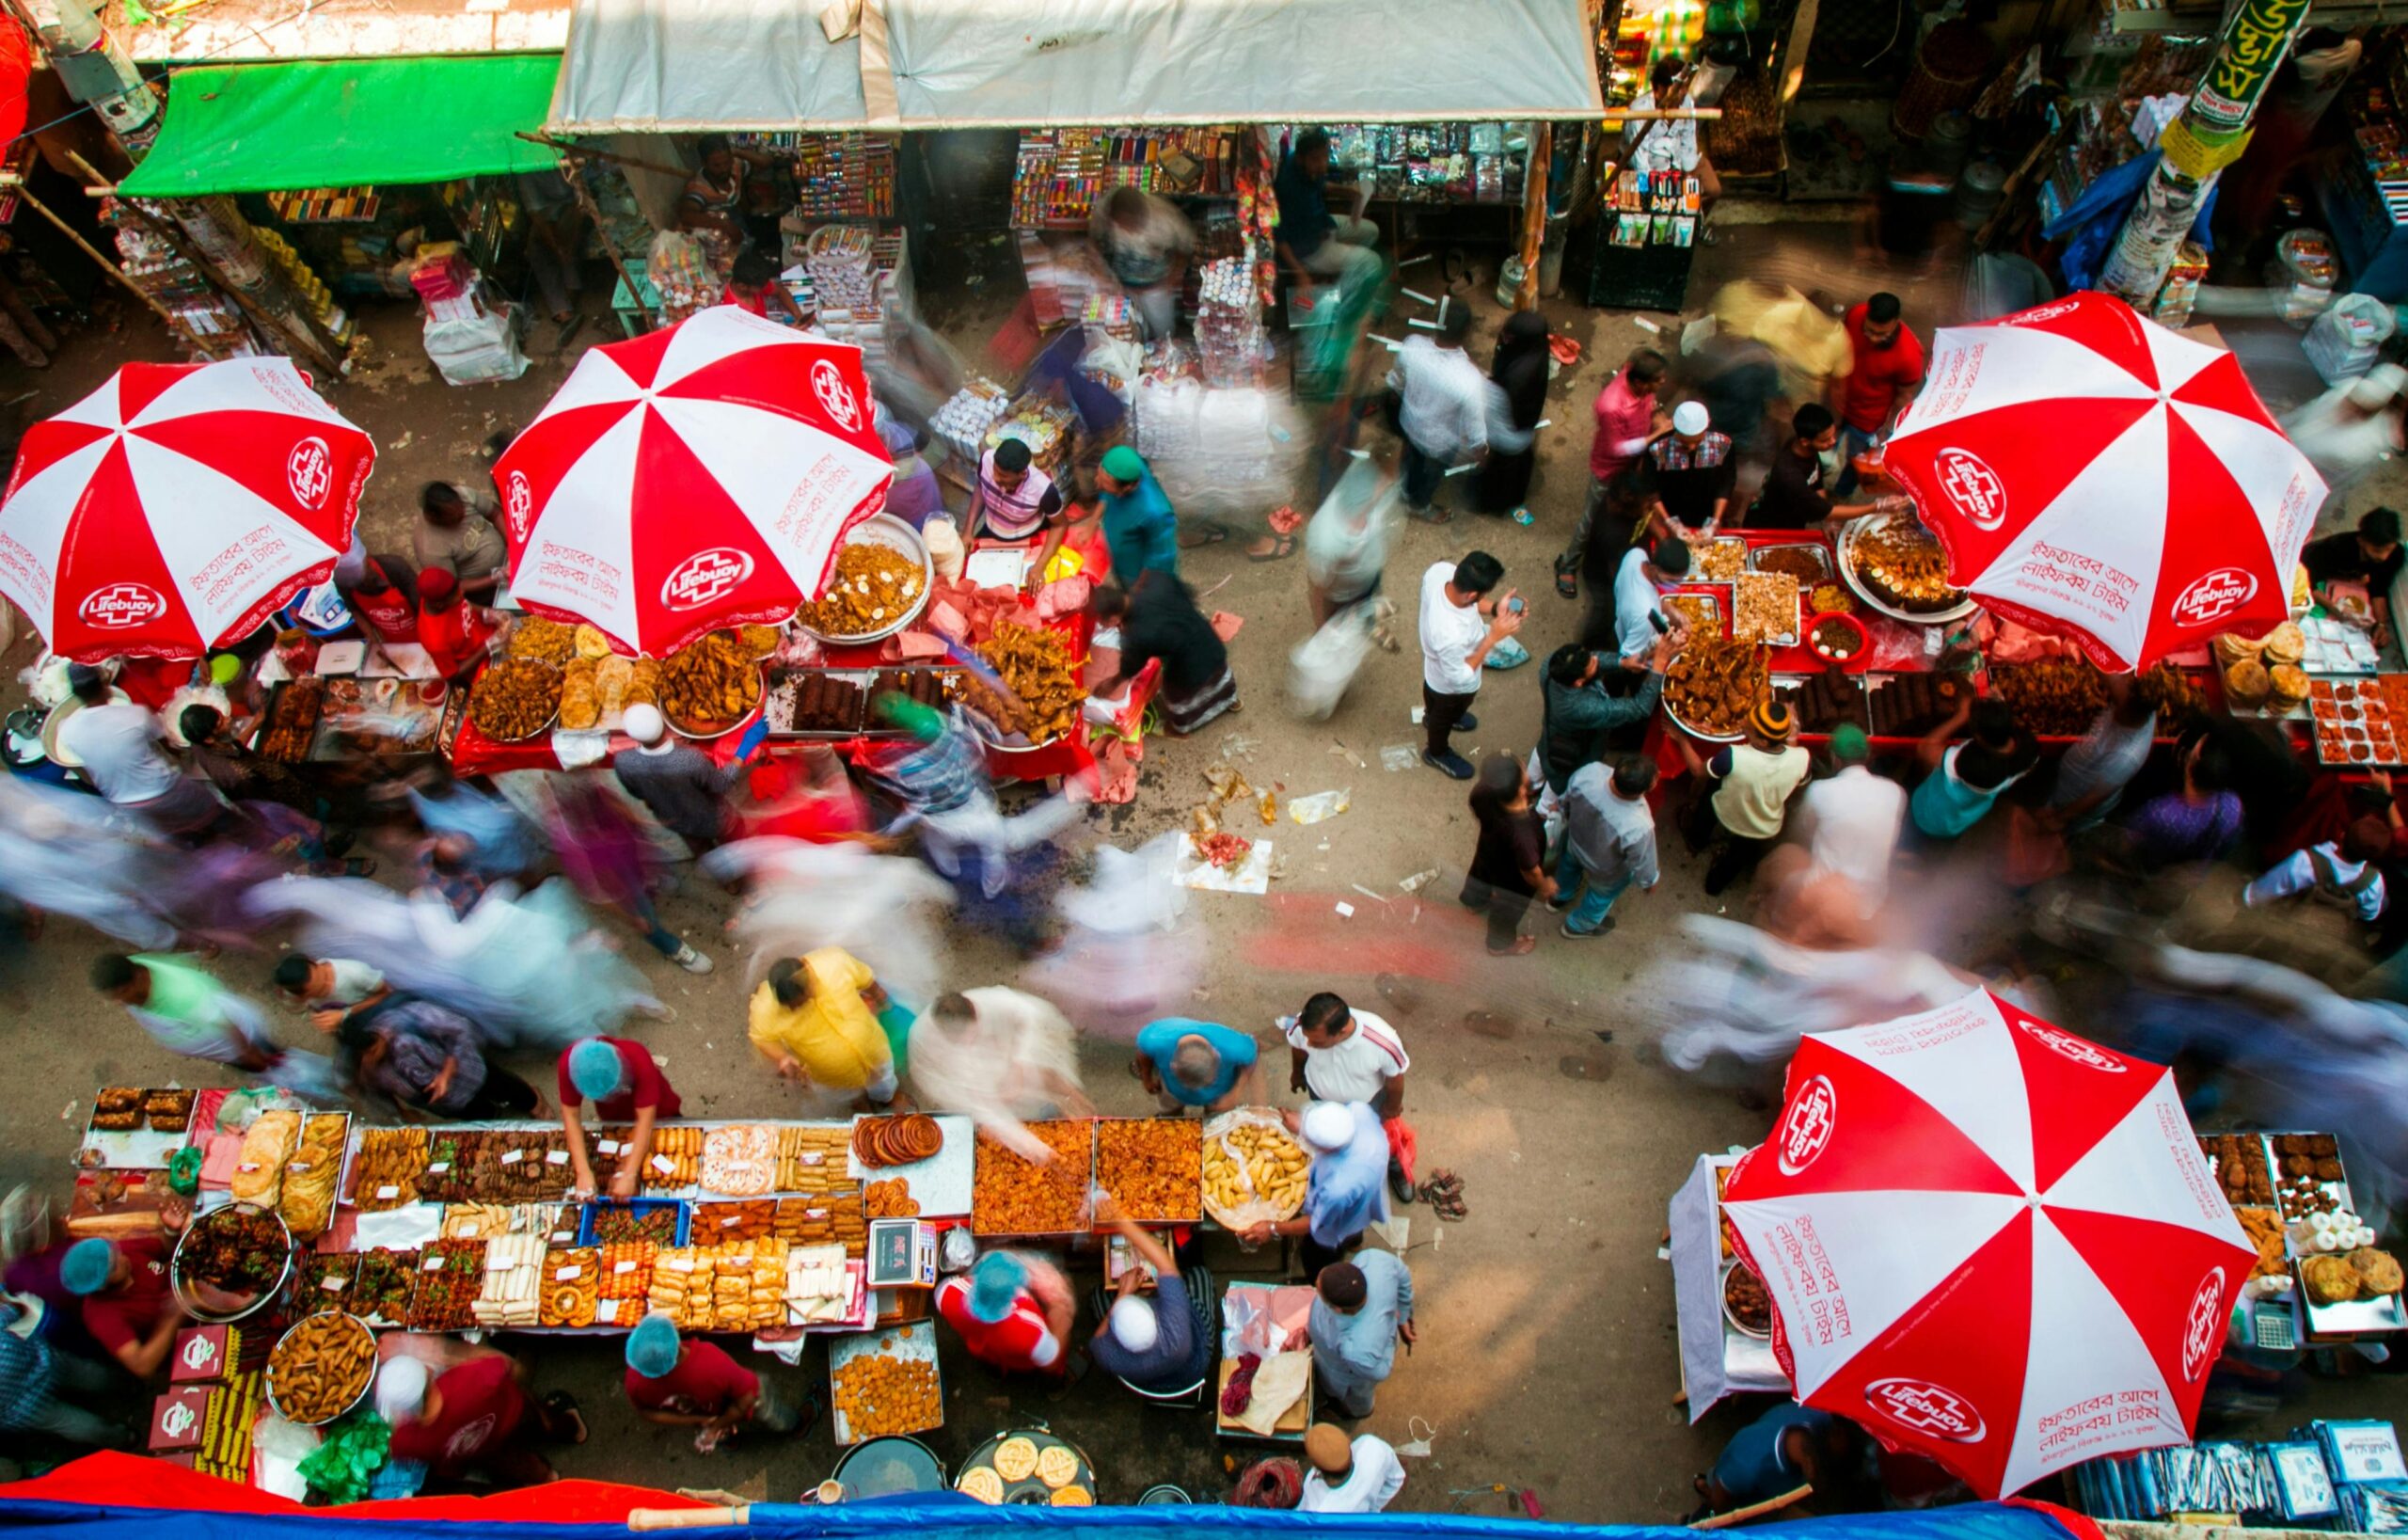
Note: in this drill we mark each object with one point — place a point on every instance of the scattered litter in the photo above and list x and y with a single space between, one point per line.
1417 716
1397 1230
1646 325
1425 326
404 441
1419 879
1400 756
1663 1253
1344 753
1236 746
1545 422
1345 909
1389 342
1415 293
68 1115
1323 846
1376 897
1320 805
1464 469
1411 260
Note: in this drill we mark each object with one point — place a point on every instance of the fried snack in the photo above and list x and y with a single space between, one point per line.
581 696
875 586
118 1109
514 699
760 641
475 1221
836 1217
709 684
2285 644
1716 561
1057 1467
384 1174
450 1276
1035 665
681 1287
380 1289
2330 1280
1697 613
719 1224
1897 558
1254 1164
320 1367
307 1199
450 1166
2055 698
878 1395
542 641
1072 1496
1009 1195
896 1141
1016 1458
572 1285
1744 1297
511 1295
739 1160
1798 560
2247 683
1714 682
259 1166
2264 1228
889 1199
2378 1272
610 676
643 682
675 1160
1763 606
1830 599
980 1482
294 726
811 1159
241 1250
589 642
1152 1166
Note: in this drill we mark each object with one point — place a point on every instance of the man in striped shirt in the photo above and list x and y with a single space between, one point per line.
1338 1054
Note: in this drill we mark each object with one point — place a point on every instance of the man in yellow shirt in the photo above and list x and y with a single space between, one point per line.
815 1019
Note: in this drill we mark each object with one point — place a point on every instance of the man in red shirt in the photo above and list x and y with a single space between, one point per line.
683 1384
1885 375
626 1086
1002 1321
128 1308
384 610
473 1416
1628 419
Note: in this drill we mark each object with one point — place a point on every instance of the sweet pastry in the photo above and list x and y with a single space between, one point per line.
980 1482
1016 1456
1057 1467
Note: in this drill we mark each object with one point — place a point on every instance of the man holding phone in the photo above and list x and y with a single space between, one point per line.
1460 624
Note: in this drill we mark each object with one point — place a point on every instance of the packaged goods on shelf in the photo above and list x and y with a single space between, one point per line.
963 421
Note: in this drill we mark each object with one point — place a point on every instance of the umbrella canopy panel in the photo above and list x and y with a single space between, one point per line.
1989 1241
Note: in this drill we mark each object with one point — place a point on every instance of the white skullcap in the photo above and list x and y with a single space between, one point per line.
1328 1126
2377 386
644 724
1689 416
401 1388
1133 1325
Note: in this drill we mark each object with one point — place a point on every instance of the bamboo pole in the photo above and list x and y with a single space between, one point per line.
111 269
575 176
569 147
1534 215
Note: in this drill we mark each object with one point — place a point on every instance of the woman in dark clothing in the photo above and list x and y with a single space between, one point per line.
425 1058
1513 408
1160 619
1508 865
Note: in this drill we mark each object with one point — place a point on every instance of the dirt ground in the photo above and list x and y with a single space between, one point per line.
1547 1356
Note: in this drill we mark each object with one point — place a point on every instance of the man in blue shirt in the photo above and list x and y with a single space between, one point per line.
1189 1063
1789 1447
1139 527
1347 1191
1160 1345
1361 1310
1313 242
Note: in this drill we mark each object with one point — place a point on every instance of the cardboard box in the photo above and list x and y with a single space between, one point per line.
203 1355
178 1420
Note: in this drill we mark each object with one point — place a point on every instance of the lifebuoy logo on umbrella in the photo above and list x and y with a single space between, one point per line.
1972 486
517 504
2088 1055
2213 596
827 383
1928 1408
1806 1128
705 576
310 471
2203 1329
120 607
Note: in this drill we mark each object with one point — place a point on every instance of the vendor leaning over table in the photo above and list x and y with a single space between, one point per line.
1159 619
1686 475
1580 719
676 1383
452 631
618 1075
1793 496
1014 1313
1346 1192
2370 554
1361 1310
1013 499
475 1416
1191 1065
1645 573
455 536
815 1019
129 1306
1160 1345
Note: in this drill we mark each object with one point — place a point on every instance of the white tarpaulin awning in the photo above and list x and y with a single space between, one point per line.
673 66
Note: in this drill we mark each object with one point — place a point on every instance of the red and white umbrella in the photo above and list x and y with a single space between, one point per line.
176 507
1989 1242
692 478
2094 474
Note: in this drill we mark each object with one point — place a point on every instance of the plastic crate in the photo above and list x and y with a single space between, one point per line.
590 1212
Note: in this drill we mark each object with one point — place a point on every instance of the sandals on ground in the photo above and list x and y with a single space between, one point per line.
1444 1193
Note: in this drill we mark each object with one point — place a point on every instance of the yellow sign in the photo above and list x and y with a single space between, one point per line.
2194 157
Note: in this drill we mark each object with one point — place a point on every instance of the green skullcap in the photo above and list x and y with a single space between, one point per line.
1123 463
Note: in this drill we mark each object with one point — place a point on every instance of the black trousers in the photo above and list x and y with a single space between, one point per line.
1439 714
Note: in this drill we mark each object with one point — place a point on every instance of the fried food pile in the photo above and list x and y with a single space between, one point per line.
1152 1166
1011 1196
1764 607
1252 1166
1744 1297
320 1367
294 727
2336 1279
1035 666
896 1141
1697 613
875 587
878 1395
306 1201
544 640
713 682
740 1160
384 1173
581 696
1897 558
1716 561
1714 682
2056 698
1798 560
514 699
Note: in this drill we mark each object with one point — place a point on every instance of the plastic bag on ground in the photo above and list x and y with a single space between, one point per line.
1324 663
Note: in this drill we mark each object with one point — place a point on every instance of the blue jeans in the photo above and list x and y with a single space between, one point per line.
1853 443
1596 902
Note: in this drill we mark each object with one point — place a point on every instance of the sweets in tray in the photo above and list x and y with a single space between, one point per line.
2355 721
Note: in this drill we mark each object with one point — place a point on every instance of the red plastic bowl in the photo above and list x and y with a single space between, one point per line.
1857 661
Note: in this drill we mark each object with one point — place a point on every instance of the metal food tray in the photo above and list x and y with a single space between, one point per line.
1095 1170
1712 603
1029 1491
1820 552
940 1185
917 1340
1846 540
2350 1317
884 530
1699 576
140 1148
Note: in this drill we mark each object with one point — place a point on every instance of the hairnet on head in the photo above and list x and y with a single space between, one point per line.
594 1070
84 1269
994 1285
652 1347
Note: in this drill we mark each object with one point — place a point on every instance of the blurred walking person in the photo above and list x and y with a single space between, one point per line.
1517 401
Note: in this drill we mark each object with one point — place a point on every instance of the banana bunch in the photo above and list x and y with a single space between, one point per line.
1251 1168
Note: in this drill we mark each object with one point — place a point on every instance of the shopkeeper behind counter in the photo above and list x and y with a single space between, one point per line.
619 1076
2368 555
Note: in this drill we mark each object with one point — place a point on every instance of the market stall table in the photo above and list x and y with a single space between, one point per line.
1718 1358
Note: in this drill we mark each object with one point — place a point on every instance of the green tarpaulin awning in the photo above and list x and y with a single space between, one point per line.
261 128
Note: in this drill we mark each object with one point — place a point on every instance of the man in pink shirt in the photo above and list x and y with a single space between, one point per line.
1628 421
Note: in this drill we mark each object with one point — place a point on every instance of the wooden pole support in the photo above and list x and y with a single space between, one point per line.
1534 215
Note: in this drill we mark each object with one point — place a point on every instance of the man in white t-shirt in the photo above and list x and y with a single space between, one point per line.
1855 816
1460 624
117 745
1338 1054
1358 1476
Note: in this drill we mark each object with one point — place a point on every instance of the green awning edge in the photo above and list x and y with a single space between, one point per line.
285 127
